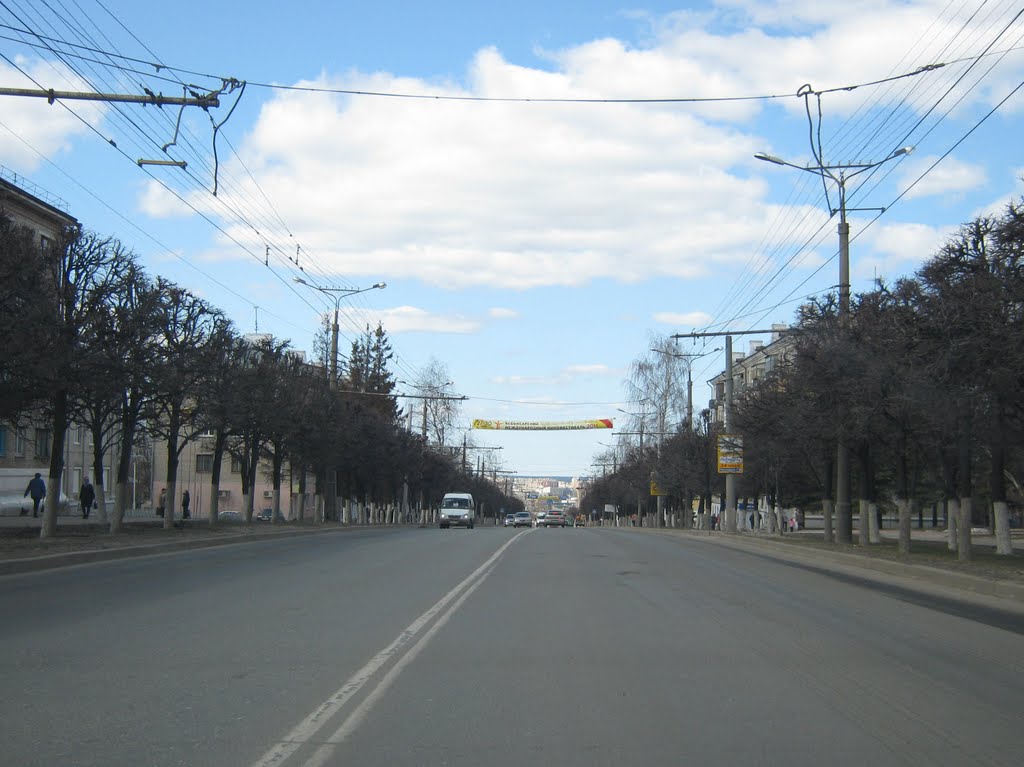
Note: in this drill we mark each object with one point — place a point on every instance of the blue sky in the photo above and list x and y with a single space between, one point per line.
535 249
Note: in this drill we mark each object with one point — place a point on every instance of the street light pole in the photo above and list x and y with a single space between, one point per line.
839 175
337 294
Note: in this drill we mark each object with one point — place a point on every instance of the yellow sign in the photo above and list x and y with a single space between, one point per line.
730 454
656 490
597 423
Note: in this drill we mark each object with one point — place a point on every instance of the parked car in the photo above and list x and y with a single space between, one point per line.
230 516
510 520
523 519
266 515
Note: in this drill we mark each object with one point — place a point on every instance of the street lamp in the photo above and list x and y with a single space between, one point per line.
337 294
840 175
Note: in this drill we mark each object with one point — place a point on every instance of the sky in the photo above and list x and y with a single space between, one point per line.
548 189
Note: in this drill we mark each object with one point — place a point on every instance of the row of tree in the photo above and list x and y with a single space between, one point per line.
94 340
922 382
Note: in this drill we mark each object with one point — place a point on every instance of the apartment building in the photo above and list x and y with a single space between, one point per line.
749 367
25 445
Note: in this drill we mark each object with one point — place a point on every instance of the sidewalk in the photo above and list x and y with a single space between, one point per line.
944 577
80 541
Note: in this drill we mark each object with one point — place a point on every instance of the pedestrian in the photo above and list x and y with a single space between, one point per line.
186 499
37 489
162 502
86 497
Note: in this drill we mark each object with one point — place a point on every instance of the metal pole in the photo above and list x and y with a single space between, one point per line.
844 518
689 397
730 479
334 346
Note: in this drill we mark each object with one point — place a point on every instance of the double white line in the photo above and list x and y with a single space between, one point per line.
406 646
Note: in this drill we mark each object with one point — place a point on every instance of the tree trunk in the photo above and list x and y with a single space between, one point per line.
124 463
300 512
964 475
173 425
873 534
1000 510
278 463
903 506
218 459
827 502
1001 513
826 514
98 454
952 523
48 527
964 530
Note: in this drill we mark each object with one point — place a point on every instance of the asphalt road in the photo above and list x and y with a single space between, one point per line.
497 647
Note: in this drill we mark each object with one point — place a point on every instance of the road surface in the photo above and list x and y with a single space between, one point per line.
497 647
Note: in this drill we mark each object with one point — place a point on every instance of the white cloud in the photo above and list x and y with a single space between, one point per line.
45 129
683 319
409 319
897 248
564 376
501 313
157 202
951 177
516 196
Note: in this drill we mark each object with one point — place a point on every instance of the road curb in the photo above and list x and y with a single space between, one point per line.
71 558
918 576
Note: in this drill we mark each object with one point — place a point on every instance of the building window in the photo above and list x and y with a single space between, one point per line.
236 465
204 463
42 443
19 442
45 243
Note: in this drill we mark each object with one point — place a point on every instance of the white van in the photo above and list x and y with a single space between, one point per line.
458 509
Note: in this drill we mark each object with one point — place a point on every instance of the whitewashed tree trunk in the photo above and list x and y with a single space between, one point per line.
826 514
863 523
874 536
952 522
1001 517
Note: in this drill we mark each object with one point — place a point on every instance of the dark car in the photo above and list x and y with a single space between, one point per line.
523 519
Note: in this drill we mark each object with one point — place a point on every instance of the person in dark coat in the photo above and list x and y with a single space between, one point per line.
186 499
37 489
87 497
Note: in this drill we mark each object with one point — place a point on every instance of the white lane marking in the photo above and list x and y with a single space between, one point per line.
360 712
308 727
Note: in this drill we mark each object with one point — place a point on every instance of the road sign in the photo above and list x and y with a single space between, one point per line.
730 454
656 490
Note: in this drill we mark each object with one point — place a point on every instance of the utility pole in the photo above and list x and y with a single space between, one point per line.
840 174
337 294
730 477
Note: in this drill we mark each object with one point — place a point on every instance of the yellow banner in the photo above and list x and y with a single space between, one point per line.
599 423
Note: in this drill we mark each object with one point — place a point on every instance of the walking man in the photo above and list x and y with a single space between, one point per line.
186 499
37 489
86 497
